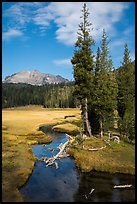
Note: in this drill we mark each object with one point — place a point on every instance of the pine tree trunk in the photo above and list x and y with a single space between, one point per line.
101 127
87 128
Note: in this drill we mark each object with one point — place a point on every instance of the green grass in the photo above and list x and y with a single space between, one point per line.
115 158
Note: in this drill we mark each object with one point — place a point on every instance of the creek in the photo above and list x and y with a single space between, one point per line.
68 184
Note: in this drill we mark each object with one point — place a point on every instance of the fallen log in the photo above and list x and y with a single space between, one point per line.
64 154
71 139
94 149
51 160
123 186
116 139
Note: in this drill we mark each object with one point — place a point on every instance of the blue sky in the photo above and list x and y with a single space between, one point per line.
41 35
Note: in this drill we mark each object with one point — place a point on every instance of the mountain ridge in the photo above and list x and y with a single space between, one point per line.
34 77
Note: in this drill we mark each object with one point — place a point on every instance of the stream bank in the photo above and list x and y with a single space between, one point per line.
68 184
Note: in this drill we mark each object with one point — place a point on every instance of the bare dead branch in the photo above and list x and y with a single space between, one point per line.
123 186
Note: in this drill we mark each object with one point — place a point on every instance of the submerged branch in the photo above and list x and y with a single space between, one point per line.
60 154
123 186
51 160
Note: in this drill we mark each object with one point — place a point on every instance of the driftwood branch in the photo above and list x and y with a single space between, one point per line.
123 186
91 191
87 196
94 149
115 138
71 139
60 154
51 160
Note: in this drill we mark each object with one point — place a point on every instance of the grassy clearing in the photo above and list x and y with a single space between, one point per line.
21 122
19 131
115 158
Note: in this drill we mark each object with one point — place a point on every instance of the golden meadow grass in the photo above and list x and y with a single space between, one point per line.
20 130
22 121
67 128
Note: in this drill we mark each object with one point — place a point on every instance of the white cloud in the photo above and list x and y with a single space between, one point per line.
31 4
66 16
21 13
62 62
42 19
11 33
17 15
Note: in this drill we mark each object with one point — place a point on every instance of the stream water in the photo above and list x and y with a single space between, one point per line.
67 184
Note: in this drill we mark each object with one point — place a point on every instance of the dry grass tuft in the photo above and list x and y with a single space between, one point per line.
16 157
19 131
67 128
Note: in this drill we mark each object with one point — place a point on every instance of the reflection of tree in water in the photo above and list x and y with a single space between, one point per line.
103 183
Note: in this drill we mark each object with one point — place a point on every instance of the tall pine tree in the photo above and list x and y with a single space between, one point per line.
83 67
98 61
126 95
105 85
122 81
126 58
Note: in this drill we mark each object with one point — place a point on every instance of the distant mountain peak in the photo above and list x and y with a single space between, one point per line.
34 77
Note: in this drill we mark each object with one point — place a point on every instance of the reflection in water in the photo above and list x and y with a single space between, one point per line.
103 184
66 184
50 185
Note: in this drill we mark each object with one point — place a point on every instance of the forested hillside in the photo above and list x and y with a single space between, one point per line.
50 96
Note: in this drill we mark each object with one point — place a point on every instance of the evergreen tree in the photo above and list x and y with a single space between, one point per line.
105 86
122 81
126 95
98 62
126 58
83 67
